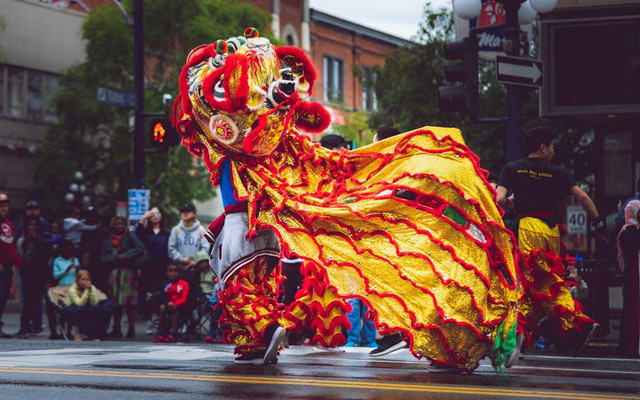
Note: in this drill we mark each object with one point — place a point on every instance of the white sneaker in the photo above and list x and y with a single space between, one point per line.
149 328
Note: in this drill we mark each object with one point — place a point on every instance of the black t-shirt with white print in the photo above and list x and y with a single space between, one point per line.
537 184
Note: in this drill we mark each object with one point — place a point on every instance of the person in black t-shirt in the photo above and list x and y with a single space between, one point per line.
537 187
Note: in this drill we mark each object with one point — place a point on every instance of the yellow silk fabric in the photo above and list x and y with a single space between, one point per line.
421 272
534 234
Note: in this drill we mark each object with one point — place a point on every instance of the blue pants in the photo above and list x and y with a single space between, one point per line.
93 321
6 277
362 331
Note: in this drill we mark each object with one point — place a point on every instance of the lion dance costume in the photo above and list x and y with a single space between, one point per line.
409 224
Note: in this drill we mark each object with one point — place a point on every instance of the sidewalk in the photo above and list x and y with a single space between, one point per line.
11 320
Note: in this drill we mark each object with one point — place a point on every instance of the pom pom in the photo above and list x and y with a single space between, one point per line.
220 46
251 32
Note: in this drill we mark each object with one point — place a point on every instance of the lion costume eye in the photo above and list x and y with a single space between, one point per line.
223 128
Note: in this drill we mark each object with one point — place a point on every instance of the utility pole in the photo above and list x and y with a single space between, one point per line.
512 48
138 72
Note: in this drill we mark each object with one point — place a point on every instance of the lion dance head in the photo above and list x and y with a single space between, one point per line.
244 94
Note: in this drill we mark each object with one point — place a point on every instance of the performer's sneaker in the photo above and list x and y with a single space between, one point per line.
439 368
251 358
515 355
585 336
274 334
389 344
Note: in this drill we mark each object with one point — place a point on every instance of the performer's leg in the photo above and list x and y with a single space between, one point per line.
250 306
353 335
543 282
317 305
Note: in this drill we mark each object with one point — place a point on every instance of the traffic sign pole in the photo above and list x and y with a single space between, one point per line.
138 71
512 33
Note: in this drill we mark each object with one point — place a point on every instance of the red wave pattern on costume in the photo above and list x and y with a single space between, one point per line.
409 225
250 305
319 307
543 282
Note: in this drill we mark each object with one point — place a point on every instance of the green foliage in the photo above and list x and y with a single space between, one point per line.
407 93
356 129
94 137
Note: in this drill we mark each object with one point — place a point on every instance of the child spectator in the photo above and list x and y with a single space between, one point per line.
173 298
89 309
209 289
66 265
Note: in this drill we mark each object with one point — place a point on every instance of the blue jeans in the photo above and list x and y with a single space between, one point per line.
6 278
36 318
362 331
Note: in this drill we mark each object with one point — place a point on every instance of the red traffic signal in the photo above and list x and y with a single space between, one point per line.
163 134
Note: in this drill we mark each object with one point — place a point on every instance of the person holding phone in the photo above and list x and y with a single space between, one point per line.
154 236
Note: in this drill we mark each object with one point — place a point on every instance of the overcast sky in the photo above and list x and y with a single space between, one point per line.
398 17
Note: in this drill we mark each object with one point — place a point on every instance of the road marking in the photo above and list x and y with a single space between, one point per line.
334 383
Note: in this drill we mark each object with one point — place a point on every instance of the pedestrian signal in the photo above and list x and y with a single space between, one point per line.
163 134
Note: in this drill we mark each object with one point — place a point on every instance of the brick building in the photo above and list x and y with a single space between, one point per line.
335 46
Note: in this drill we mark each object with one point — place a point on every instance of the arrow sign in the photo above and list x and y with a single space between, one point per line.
519 71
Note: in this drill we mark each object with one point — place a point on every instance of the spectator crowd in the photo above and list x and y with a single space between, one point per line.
85 273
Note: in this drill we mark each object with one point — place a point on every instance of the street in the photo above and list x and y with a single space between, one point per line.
31 369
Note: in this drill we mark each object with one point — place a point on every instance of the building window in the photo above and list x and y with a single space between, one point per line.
332 79
369 100
27 94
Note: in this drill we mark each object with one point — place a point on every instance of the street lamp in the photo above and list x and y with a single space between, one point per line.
77 193
516 12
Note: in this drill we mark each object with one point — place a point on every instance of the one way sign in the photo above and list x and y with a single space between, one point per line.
519 71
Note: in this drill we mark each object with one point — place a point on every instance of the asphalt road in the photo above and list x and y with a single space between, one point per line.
41 369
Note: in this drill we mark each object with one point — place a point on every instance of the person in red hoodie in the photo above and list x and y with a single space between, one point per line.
173 299
8 256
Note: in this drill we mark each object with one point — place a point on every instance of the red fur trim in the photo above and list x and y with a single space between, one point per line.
297 60
233 64
199 54
234 101
311 116
183 85
208 84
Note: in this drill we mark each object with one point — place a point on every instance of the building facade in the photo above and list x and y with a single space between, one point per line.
337 48
40 39
43 37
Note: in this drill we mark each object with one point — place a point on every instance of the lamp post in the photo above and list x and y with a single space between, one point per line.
77 193
517 12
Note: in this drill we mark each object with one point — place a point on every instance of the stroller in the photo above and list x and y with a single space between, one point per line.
59 301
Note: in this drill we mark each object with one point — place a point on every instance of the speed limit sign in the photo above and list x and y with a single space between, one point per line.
576 220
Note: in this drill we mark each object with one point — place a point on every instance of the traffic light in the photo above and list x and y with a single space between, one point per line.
462 98
163 134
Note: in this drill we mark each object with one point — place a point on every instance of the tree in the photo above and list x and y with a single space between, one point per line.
407 87
356 129
94 138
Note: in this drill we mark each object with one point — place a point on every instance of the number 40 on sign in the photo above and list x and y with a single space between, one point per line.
576 220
